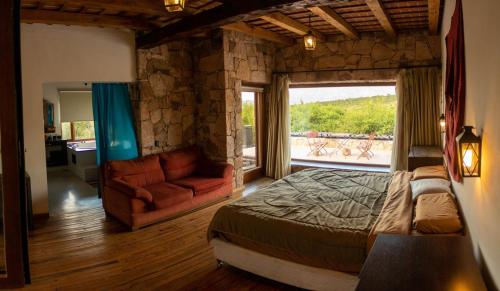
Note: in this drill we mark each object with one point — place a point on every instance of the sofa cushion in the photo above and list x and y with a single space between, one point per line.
165 194
137 172
200 185
180 163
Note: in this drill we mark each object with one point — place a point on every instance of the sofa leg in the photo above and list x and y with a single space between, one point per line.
220 264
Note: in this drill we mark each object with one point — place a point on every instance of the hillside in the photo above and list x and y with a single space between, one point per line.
358 115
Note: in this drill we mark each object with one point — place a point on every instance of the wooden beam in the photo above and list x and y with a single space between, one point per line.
152 7
382 16
329 15
258 32
69 18
229 12
434 8
283 21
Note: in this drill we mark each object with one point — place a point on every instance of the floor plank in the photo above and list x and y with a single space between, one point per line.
84 250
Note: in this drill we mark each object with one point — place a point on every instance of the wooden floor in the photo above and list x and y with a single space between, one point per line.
85 251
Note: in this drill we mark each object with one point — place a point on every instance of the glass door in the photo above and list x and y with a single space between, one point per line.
252 133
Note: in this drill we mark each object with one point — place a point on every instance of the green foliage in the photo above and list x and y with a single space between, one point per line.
248 113
84 130
358 116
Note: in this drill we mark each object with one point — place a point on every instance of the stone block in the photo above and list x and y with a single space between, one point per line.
175 135
381 52
422 51
334 61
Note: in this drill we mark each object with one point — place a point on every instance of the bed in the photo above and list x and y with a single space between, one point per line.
312 229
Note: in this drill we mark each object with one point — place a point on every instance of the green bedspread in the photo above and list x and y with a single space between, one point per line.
319 217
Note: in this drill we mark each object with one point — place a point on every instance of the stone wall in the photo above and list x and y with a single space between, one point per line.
164 109
223 63
373 53
190 91
246 61
210 118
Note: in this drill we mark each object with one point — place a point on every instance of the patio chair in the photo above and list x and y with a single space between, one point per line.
316 145
365 147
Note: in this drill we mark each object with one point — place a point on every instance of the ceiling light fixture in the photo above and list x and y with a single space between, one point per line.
309 38
174 5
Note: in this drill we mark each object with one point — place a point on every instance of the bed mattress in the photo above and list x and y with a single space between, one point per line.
318 217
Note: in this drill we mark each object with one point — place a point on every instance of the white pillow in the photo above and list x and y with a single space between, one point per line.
429 186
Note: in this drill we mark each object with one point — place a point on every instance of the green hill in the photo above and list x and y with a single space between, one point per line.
358 115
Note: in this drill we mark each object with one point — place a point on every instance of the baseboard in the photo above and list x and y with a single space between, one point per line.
40 217
237 192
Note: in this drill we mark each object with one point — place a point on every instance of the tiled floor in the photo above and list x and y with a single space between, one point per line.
68 193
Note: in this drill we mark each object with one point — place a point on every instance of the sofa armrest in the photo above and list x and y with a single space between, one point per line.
131 190
213 169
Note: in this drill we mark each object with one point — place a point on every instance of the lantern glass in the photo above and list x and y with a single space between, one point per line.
310 41
469 146
174 5
442 122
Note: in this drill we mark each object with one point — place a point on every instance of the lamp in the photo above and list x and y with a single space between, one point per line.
469 147
442 122
309 38
174 5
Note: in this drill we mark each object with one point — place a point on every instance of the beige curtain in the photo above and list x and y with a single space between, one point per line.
417 117
278 138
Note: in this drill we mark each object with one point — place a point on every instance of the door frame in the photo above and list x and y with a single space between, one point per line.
11 124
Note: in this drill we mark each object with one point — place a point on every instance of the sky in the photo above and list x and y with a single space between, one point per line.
308 95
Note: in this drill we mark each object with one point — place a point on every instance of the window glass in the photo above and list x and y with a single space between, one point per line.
66 130
351 124
249 130
83 130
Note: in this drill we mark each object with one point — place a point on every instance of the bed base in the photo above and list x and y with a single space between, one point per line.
283 271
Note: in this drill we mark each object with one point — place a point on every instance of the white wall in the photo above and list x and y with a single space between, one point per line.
58 53
480 197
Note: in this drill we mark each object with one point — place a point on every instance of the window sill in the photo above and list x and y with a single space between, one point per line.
343 166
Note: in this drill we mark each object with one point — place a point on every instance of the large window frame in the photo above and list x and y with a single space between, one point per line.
310 162
257 171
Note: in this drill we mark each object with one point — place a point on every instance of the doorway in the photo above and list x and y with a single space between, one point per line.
70 147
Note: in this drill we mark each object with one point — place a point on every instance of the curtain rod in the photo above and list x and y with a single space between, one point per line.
359 69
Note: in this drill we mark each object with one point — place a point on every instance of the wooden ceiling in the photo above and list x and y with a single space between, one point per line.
277 20
140 15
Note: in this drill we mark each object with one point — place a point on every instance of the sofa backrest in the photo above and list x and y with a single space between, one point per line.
180 163
138 172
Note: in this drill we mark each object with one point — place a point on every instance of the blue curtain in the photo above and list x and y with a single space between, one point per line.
113 122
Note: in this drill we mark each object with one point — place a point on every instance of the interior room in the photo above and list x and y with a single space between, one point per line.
70 149
249 145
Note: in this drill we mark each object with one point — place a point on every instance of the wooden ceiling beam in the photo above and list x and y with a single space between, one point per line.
229 12
283 21
258 32
329 15
151 7
433 8
69 18
377 7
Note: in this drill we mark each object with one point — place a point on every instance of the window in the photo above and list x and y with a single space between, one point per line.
250 112
352 124
78 130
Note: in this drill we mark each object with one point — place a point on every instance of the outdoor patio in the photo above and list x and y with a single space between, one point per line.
335 150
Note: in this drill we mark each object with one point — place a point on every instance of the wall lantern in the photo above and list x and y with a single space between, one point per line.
442 122
469 147
309 38
174 5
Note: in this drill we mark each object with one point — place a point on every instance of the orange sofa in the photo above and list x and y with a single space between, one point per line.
149 189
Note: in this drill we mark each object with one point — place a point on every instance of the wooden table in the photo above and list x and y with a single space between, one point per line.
398 262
